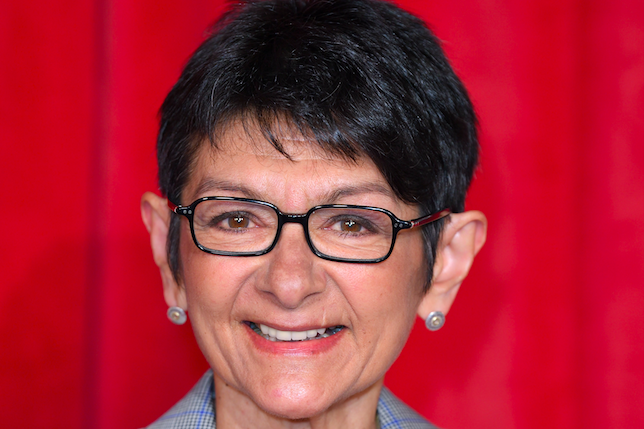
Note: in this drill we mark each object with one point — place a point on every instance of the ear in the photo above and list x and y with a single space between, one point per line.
462 238
156 217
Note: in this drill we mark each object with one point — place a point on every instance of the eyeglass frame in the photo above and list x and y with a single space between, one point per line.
303 219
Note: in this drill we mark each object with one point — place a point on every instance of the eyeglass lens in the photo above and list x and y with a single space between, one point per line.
247 227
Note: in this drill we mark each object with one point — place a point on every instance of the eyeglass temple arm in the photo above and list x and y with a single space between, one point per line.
431 218
172 206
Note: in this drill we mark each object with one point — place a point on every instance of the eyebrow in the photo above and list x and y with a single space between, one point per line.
367 188
208 185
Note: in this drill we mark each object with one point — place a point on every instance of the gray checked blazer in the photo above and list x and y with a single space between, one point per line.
196 411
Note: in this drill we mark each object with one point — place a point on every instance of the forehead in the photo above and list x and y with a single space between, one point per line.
243 163
246 136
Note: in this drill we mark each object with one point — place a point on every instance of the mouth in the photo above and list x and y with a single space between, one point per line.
272 334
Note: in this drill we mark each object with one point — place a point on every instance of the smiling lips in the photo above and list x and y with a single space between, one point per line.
273 334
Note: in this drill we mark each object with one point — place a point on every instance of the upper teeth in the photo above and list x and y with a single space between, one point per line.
290 335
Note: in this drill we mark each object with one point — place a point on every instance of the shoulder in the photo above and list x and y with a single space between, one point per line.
394 414
194 411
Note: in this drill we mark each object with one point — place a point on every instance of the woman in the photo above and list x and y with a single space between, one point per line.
343 117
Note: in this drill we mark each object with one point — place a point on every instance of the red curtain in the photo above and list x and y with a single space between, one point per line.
548 330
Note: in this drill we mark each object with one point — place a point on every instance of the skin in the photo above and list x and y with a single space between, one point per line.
328 383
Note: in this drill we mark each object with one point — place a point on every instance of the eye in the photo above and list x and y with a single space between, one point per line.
233 217
238 221
350 225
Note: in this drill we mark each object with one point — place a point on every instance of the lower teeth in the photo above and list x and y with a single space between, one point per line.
327 333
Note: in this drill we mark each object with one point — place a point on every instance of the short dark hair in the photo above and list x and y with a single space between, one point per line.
362 78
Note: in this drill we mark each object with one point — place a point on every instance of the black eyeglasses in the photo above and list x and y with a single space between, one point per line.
232 226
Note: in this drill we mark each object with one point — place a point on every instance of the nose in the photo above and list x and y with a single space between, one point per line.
293 273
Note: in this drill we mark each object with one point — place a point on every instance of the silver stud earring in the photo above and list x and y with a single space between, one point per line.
177 315
435 320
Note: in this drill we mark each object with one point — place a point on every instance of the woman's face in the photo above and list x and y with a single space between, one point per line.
291 289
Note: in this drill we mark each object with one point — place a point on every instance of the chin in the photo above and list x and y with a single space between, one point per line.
294 403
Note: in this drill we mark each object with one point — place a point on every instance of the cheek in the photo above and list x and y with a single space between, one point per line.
385 296
213 283
384 299
203 280
398 281
402 282
394 296
211 286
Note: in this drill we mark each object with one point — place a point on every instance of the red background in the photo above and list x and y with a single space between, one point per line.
548 331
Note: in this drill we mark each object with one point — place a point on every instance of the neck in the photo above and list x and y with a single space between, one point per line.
235 410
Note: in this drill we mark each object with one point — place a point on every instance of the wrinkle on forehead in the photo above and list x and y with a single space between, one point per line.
209 184
309 176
